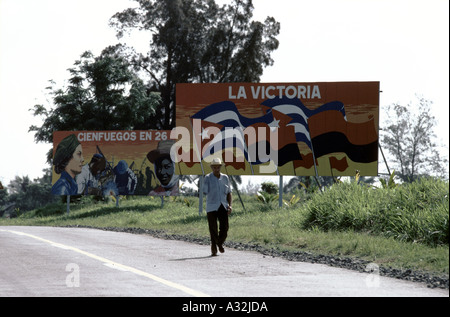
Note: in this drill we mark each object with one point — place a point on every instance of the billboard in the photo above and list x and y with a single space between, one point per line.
278 128
114 163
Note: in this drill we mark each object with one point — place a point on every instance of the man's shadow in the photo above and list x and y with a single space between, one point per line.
194 258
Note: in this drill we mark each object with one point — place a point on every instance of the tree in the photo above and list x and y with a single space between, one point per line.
103 93
308 183
269 187
410 138
197 41
3 195
28 195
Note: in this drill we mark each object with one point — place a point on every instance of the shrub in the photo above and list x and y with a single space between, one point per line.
269 187
416 212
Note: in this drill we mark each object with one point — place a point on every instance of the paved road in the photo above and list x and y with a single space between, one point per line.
45 261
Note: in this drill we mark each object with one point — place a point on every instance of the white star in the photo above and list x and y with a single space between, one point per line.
274 124
204 134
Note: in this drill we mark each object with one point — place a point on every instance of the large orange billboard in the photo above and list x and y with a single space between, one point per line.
114 163
279 128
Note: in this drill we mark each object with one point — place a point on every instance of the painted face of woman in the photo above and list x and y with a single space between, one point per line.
76 163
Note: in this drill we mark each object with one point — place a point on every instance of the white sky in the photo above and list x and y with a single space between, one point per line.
404 44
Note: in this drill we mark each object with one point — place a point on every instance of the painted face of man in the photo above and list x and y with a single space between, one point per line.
164 171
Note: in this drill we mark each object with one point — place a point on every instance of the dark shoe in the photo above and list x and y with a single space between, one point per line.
213 250
221 249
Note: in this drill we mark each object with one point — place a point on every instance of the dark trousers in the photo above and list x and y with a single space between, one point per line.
218 237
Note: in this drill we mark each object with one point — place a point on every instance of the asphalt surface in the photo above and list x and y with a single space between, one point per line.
47 261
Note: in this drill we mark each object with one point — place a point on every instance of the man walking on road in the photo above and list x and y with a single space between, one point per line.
218 205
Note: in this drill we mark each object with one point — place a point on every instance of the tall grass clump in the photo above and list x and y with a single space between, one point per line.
413 212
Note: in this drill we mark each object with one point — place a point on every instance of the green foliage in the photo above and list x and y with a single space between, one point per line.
49 210
103 93
188 202
415 212
269 188
292 201
390 183
268 193
308 184
27 194
197 41
3 195
266 198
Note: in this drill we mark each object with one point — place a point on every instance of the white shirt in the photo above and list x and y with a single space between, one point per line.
216 190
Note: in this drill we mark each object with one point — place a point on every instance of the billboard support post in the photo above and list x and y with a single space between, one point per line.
280 192
316 177
68 204
200 195
385 162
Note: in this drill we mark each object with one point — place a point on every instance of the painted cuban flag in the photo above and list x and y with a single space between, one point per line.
250 135
295 109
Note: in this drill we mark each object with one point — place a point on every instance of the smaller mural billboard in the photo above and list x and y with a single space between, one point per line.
104 163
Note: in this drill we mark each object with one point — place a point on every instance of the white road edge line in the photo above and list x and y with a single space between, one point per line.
115 265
